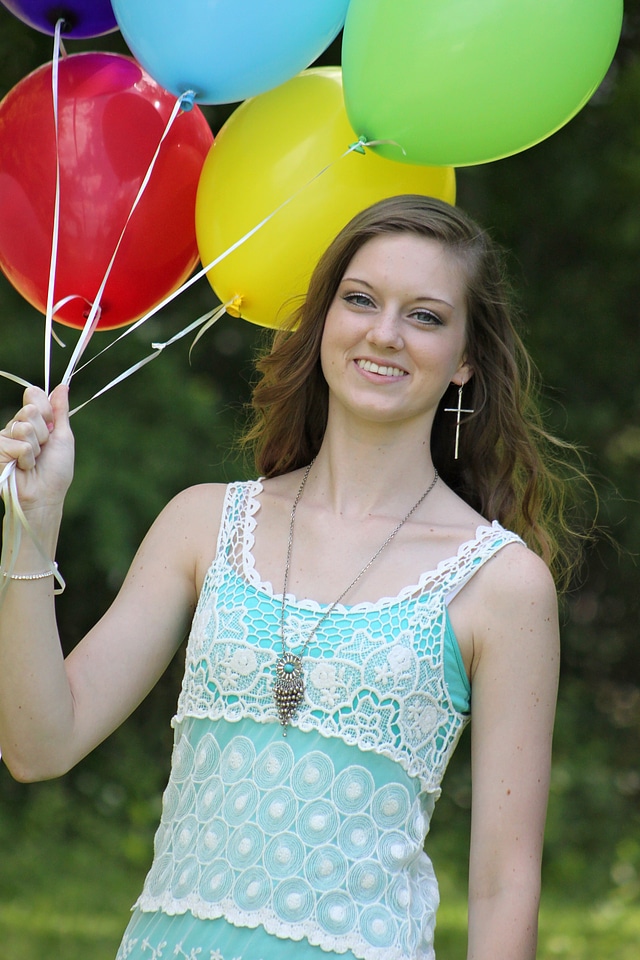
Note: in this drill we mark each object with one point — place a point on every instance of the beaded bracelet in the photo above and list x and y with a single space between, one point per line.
33 576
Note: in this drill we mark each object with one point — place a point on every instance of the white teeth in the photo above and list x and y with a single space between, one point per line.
381 371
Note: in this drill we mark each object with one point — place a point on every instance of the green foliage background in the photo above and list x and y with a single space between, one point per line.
73 853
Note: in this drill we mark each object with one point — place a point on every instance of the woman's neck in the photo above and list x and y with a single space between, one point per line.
371 471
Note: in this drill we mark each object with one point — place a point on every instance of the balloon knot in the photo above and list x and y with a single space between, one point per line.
187 100
95 308
233 307
359 145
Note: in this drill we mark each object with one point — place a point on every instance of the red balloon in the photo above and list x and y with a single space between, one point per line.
111 118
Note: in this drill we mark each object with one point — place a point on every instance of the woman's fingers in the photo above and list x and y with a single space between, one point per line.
22 445
25 434
27 421
30 429
59 405
37 409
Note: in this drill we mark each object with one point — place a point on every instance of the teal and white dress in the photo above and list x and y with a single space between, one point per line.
311 845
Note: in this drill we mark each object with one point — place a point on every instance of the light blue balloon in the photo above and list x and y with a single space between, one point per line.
227 50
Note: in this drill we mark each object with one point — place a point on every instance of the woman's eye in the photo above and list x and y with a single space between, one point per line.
358 299
426 317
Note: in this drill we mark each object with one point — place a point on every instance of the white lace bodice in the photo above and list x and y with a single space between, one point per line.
374 679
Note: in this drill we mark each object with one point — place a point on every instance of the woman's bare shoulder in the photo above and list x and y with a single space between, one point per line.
200 497
516 572
195 507
190 522
515 604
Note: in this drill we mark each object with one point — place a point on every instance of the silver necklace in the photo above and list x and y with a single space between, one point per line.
288 686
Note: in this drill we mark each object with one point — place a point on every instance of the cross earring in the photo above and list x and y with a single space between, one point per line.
459 410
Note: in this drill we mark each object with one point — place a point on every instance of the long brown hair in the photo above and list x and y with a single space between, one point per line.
509 468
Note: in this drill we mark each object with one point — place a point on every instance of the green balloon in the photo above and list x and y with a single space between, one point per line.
458 82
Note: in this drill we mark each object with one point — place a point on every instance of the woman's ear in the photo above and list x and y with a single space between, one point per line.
463 374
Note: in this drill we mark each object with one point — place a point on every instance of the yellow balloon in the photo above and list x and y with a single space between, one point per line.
287 146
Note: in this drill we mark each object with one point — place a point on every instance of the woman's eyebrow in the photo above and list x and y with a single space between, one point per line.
357 280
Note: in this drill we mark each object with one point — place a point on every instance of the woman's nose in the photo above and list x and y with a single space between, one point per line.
385 331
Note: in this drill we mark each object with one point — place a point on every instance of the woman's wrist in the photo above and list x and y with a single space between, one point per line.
43 526
37 547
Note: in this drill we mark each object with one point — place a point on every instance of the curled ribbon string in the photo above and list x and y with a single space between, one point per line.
15 521
14 515
94 312
204 322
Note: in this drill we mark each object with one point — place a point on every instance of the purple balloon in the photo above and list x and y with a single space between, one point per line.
82 18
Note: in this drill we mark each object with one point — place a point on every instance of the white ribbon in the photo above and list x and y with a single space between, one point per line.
204 322
15 521
94 312
48 329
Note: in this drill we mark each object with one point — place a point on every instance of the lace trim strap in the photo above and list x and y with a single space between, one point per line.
239 505
473 555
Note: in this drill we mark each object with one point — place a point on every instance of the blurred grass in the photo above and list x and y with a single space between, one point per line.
64 898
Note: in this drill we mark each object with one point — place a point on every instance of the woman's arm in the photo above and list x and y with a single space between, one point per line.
514 687
52 711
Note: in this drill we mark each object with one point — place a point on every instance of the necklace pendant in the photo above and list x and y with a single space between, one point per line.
288 687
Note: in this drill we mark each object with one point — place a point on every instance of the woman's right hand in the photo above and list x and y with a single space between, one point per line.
40 442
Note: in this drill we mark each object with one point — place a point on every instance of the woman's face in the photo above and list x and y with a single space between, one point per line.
395 334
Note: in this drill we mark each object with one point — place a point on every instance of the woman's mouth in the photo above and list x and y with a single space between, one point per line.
381 369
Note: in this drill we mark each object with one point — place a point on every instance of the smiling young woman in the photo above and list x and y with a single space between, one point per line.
385 579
